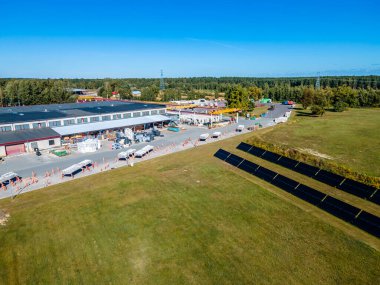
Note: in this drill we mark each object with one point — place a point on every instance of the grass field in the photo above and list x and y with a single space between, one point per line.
350 138
185 218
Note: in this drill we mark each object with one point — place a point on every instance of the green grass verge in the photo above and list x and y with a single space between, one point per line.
350 138
185 218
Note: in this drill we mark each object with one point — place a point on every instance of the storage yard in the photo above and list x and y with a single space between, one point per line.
102 146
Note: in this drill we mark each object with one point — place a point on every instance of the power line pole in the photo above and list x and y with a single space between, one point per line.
162 82
318 83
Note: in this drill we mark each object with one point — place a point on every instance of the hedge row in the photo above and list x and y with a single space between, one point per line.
317 161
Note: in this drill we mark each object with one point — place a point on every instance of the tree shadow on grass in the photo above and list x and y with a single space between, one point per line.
304 114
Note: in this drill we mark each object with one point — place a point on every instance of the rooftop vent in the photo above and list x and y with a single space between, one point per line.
45 110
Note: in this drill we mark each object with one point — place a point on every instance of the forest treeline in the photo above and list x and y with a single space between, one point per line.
343 91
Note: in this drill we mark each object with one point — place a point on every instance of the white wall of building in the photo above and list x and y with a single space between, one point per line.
43 144
2 151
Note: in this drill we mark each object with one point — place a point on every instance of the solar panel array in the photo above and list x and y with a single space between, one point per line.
347 185
340 209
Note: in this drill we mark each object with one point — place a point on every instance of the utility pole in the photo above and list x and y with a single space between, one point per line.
162 82
318 83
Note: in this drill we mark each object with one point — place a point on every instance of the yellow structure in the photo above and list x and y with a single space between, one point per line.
223 111
88 98
178 107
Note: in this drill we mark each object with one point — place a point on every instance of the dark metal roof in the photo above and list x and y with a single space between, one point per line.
11 115
7 138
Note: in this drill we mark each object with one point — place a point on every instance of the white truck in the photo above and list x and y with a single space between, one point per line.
145 150
240 128
203 137
216 135
126 154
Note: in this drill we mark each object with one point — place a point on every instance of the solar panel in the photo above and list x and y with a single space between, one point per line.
286 180
368 223
222 154
271 156
284 186
287 162
329 178
309 194
234 159
256 151
244 146
339 209
248 166
375 198
357 188
265 174
306 169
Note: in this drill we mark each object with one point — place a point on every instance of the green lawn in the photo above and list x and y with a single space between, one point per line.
186 218
351 138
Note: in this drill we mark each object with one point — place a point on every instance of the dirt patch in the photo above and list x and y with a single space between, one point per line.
314 152
4 217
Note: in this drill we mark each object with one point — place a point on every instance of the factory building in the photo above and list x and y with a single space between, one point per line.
25 128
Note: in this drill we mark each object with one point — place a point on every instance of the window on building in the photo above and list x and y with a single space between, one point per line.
117 116
145 113
51 142
5 128
82 121
162 111
94 119
22 127
55 124
39 125
106 118
69 122
154 112
127 115
136 114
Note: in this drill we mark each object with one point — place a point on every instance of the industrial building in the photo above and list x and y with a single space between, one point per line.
25 128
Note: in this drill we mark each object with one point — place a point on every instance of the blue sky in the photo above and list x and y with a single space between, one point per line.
97 39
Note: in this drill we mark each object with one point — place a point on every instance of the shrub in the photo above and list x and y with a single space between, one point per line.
317 110
340 106
317 161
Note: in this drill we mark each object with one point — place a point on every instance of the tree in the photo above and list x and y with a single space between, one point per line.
150 93
307 97
124 93
255 93
1 97
237 97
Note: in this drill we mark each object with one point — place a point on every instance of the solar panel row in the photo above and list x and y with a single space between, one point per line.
347 185
357 188
340 209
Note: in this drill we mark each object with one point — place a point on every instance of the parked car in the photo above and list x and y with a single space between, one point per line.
117 146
